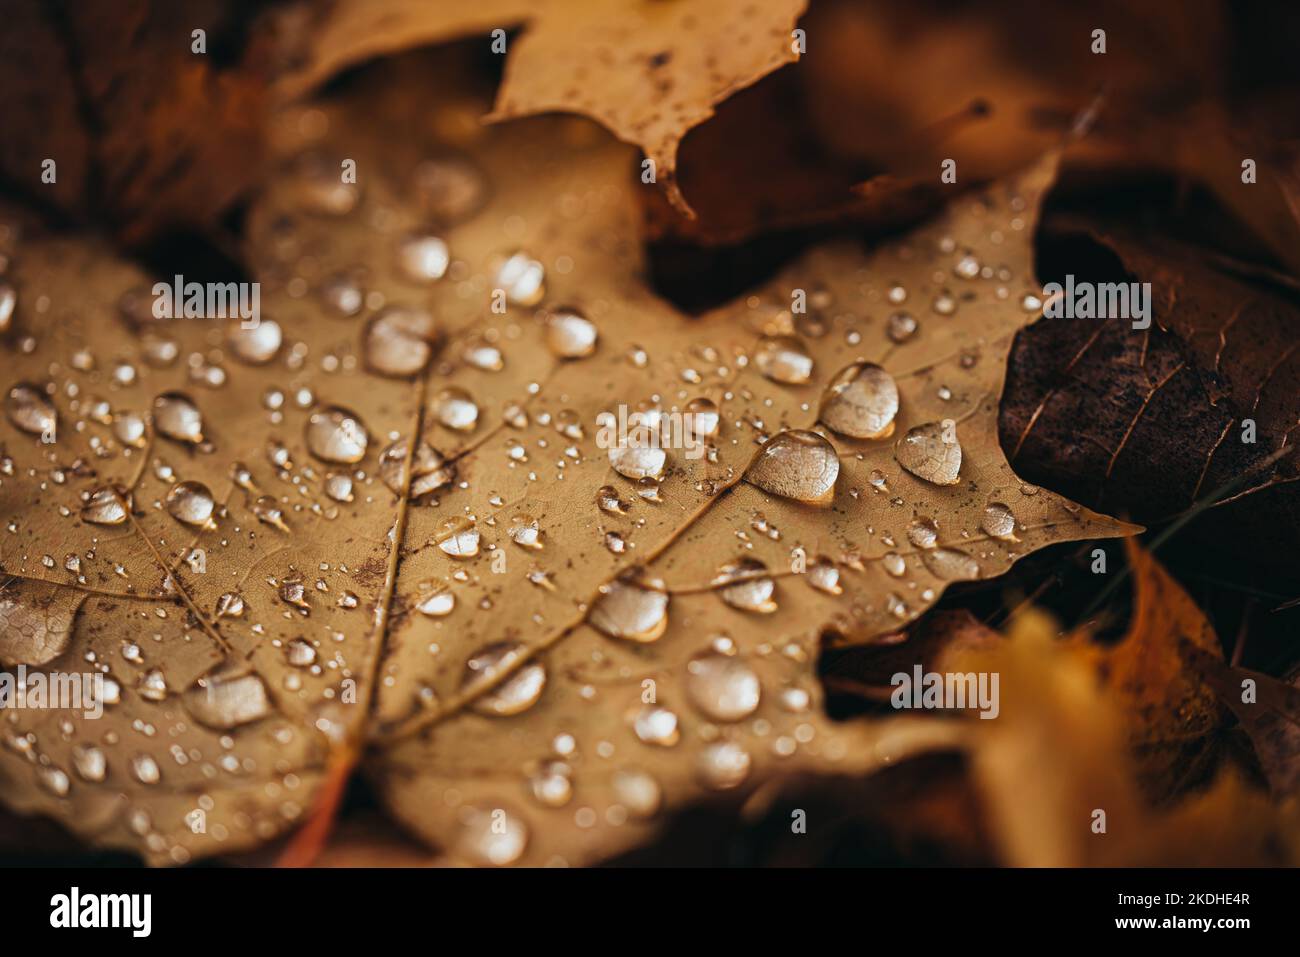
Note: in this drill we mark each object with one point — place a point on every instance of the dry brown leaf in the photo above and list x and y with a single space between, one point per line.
1157 417
1269 711
148 136
1077 729
501 671
648 71
1169 711
1058 754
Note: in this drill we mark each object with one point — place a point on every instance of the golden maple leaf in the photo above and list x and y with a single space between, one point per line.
379 530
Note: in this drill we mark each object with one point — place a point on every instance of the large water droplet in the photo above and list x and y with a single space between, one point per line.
784 359
723 687
429 472
449 188
400 341
523 279
637 791
176 416
191 503
90 762
999 521
334 434
824 575
35 623
923 533
423 258
861 401
639 459
723 765
526 532
570 334
635 609
456 409
437 604
551 784
130 429
931 452
228 700
28 408
8 303
256 345
459 540
656 725
747 586
951 564
797 465
900 327
106 506
517 693
492 836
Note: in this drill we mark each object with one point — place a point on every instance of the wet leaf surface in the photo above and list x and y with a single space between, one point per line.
435 600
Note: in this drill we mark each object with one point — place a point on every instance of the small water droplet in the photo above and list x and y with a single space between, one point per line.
145 769
130 429
8 303
54 780
638 791
268 511
460 541
300 654
153 685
